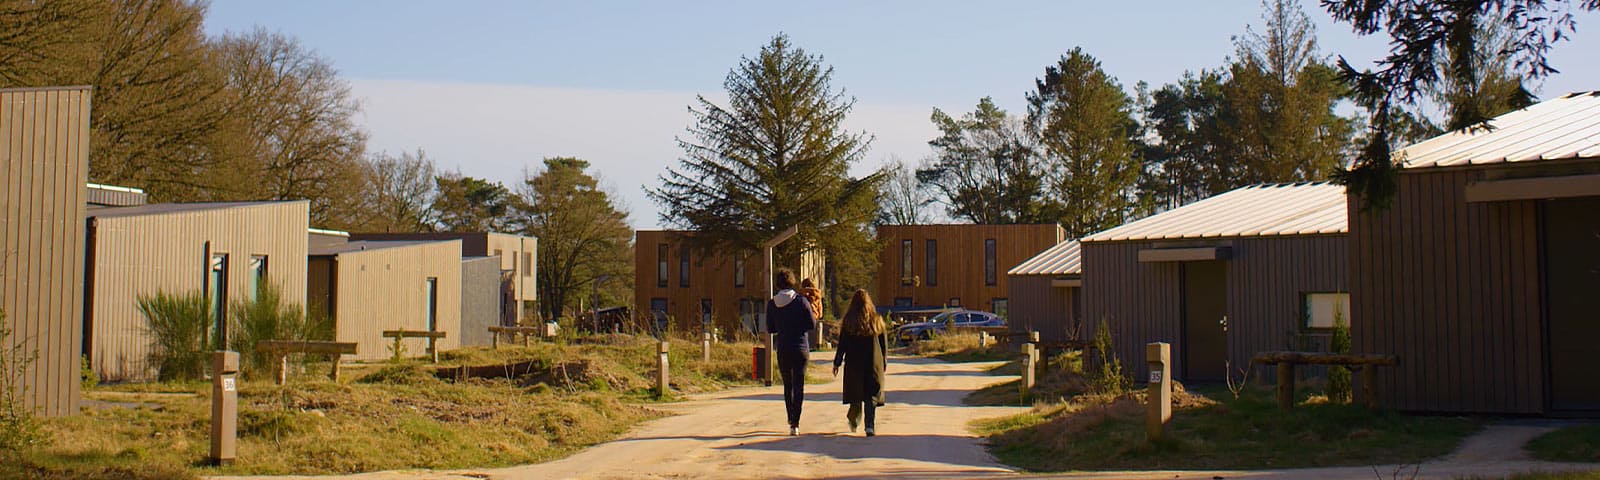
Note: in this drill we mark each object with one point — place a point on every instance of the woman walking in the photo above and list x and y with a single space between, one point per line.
863 351
790 317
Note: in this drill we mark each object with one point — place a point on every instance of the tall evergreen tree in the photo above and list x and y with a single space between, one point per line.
583 235
984 168
777 156
1083 123
1485 85
468 204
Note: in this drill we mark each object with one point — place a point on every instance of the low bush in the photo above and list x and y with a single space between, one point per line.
19 430
1106 377
268 317
179 327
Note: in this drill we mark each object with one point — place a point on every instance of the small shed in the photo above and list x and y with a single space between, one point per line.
1482 275
44 160
223 250
367 287
1253 269
1045 293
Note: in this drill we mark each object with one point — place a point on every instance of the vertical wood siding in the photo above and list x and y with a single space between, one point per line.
1452 288
479 244
141 255
960 261
44 148
709 278
480 300
1266 280
385 289
1037 306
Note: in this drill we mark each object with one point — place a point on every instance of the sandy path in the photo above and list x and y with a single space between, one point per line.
741 433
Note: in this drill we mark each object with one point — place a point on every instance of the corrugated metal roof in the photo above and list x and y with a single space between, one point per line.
1062 259
1562 128
164 208
364 245
1253 211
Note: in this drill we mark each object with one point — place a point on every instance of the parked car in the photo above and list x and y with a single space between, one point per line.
943 322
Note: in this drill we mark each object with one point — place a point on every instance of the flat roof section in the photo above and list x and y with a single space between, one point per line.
365 245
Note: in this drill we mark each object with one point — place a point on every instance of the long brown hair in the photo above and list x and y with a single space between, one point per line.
862 317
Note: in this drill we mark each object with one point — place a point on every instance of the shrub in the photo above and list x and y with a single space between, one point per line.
86 375
1338 388
1107 376
267 317
178 327
18 429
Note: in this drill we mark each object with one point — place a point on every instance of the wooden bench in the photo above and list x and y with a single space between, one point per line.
1368 363
399 335
512 333
279 350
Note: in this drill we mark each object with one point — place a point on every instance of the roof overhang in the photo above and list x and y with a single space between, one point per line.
1066 282
1191 254
1534 188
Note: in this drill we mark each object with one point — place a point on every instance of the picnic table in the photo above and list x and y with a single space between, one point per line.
279 350
399 335
1368 363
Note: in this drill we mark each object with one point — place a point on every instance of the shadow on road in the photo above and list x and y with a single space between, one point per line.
922 448
932 398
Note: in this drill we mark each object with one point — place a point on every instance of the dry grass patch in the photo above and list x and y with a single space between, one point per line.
959 348
384 416
1209 431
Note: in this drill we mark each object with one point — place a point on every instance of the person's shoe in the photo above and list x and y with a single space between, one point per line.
794 430
870 432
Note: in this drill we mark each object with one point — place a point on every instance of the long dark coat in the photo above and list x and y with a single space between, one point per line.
864 359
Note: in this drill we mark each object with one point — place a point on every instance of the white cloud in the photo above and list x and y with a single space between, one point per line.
496 131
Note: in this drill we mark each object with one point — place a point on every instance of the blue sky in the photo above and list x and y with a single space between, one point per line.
491 87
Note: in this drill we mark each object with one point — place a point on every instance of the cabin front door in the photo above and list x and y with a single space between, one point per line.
1572 302
1205 343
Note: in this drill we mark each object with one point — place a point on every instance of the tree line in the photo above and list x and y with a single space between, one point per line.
258 116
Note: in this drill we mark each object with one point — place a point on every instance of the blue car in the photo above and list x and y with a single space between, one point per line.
942 323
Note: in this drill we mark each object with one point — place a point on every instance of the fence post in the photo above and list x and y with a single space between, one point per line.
280 366
705 347
224 407
1159 357
1369 385
334 373
1029 361
767 370
661 368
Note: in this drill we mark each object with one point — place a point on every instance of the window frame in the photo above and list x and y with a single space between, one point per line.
662 274
930 263
683 267
906 256
1308 311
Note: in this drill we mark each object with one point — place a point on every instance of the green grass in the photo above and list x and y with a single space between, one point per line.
1216 432
1572 444
382 416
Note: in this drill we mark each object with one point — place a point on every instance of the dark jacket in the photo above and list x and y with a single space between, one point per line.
864 359
790 317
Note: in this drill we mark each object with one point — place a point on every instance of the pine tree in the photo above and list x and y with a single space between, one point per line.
1083 123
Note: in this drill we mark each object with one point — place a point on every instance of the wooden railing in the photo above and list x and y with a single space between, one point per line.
1368 363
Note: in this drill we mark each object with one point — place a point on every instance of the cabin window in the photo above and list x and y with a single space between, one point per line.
217 283
661 266
902 301
1321 309
955 302
738 273
658 305
1000 306
930 267
258 275
527 264
989 267
432 292
705 311
905 262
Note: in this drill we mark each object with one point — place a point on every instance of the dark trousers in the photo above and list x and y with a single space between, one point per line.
792 366
855 413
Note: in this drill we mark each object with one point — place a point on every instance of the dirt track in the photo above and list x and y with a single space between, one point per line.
741 433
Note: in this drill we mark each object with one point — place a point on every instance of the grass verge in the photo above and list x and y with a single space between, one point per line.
1092 432
959 348
1571 444
551 400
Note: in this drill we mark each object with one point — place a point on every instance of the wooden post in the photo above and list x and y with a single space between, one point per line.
398 345
224 407
334 372
280 367
494 342
1029 362
662 382
1285 386
983 339
433 353
769 368
1369 385
705 347
1159 399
